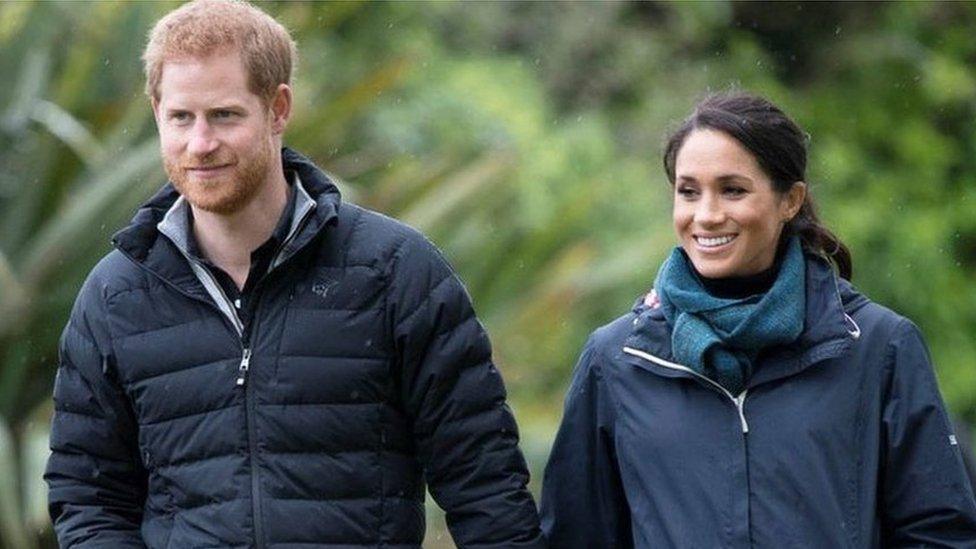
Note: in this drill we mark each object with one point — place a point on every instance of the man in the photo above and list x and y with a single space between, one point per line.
258 364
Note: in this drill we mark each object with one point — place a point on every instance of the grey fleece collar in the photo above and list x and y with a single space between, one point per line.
175 226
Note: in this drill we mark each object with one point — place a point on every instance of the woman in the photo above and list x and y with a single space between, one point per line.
756 399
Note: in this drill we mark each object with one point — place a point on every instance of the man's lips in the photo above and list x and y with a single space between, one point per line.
207 171
206 168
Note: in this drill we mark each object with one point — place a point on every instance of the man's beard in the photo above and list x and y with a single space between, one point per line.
230 192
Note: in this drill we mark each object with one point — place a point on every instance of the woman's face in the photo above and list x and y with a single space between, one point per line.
727 215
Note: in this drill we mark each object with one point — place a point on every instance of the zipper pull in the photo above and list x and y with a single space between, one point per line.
740 403
245 364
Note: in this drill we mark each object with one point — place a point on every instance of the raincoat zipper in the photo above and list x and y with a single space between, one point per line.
738 401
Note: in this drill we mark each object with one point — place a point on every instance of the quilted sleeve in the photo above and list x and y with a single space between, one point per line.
465 433
96 480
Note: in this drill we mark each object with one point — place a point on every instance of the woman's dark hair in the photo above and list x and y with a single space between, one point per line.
779 146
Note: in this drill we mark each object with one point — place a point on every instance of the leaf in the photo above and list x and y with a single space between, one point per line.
69 130
30 87
58 238
13 534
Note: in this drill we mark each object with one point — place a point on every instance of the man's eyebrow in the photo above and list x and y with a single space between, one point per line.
228 107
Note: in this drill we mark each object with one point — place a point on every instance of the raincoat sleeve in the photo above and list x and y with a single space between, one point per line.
926 496
97 484
583 501
463 430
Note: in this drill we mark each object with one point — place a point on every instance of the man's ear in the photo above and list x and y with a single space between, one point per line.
280 109
154 103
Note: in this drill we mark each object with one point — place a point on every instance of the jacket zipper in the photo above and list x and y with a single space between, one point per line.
738 401
242 369
249 404
241 381
207 279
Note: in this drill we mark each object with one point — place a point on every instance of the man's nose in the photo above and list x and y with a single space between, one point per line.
203 141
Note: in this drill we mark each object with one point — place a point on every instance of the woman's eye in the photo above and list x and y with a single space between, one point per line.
735 191
687 192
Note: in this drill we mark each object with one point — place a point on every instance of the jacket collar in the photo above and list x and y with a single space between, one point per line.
316 207
175 223
828 331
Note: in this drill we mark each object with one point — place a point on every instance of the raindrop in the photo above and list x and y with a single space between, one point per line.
837 30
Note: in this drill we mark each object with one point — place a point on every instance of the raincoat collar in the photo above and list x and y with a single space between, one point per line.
828 331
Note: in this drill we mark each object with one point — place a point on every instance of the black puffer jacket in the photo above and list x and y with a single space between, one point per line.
363 373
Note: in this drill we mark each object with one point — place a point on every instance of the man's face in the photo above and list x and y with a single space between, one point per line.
217 138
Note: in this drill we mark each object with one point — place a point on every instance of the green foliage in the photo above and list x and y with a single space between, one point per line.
525 139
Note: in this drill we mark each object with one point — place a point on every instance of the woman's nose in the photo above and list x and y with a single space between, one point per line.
709 211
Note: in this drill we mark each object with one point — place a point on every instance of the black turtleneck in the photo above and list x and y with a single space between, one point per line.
739 287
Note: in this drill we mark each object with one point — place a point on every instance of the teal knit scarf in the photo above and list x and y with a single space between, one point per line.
721 338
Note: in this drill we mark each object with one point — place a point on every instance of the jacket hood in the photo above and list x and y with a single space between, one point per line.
850 297
140 236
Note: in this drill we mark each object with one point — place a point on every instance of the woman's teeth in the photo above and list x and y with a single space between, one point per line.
716 241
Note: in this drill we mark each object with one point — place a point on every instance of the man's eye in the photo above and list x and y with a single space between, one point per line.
222 115
179 116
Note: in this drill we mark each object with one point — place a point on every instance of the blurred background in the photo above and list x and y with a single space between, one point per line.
525 140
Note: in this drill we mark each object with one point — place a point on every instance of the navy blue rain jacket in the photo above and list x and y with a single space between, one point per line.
363 376
840 440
